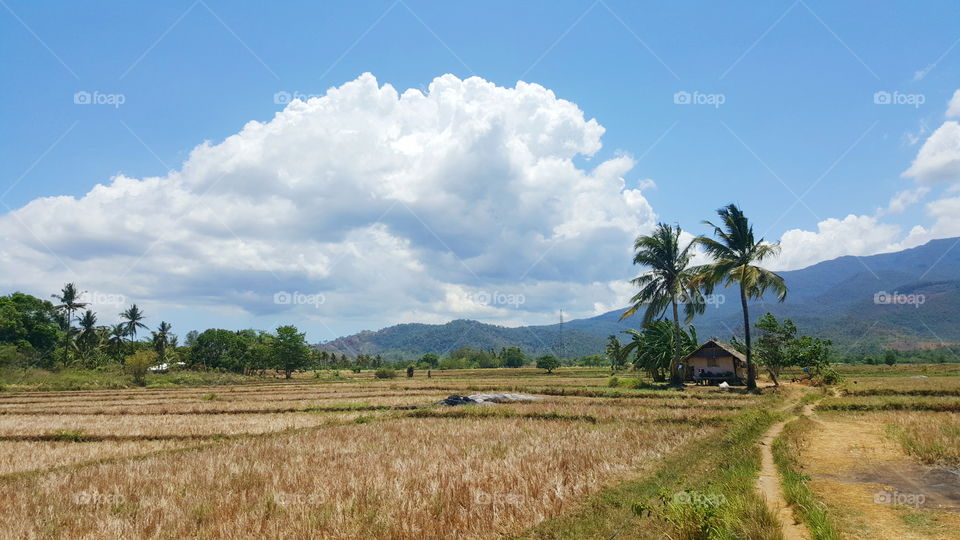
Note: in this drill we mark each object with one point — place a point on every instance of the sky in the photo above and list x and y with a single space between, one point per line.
344 166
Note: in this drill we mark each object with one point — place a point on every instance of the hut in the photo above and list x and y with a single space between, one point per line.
714 362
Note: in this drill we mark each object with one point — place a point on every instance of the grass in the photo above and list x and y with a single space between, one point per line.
113 378
895 402
721 467
351 457
933 439
787 449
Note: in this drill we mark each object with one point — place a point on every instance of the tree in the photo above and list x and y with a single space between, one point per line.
133 320
890 358
774 344
31 325
115 340
69 299
735 253
667 283
430 359
290 350
89 338
513 357
654 347
548 362
161 340
615 353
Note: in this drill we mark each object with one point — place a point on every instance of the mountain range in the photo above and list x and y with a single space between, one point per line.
907 299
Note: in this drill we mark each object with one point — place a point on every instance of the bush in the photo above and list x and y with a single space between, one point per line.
613 382
138 364
385 373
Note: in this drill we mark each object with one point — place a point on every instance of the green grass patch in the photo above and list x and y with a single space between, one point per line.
786 454
66 435
705 490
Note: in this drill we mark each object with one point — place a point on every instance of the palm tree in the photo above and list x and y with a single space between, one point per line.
132 320
161 340
666 284
735 253
115 340
89 337
653 348
69 299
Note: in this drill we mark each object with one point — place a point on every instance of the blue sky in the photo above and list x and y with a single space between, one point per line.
797 81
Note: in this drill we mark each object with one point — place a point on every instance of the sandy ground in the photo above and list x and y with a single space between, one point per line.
861 474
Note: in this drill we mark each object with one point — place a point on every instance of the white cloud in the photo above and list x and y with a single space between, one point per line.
385 202
953 109
903 199
939 158
853 235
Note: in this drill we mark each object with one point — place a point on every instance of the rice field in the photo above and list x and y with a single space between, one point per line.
344 457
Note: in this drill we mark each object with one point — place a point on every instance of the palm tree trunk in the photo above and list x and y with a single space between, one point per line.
675 379
66 339
751 373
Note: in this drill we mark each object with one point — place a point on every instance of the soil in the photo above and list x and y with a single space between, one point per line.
862 475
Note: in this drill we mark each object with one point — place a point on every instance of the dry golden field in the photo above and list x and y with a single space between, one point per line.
346 458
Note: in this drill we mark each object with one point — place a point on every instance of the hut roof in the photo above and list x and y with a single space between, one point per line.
718 344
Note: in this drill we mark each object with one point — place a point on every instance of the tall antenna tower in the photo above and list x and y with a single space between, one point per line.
563 352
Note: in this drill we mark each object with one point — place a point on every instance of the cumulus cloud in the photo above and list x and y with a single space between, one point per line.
953 109
852 235
938 160
383 202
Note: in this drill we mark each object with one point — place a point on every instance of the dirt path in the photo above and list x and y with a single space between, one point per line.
854 469
768 484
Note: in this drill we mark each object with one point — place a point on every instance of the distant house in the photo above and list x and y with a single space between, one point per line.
713 362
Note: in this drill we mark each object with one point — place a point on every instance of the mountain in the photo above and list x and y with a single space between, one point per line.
848 300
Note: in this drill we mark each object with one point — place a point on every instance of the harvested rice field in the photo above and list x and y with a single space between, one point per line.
347 458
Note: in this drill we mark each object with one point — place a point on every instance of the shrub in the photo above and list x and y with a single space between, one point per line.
138 364
384 373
